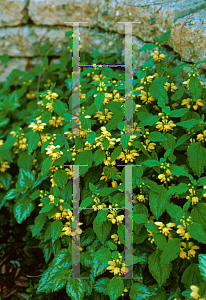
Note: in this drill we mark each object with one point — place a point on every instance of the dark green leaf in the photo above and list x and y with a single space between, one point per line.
23 209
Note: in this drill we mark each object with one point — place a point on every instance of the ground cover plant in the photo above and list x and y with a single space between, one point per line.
169 213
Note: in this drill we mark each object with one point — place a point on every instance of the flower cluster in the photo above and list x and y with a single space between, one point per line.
113 217
98 204
192 196
165 125
117 266
187 250
21 141
54 152
56 122
4 165
195 294
38 126
165 229
115 237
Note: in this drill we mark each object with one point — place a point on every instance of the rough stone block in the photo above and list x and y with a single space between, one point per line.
12 12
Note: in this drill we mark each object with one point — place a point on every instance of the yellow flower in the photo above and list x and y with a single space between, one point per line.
156 56
200 137
159 224
39 126
115 237
173 87
181 232
190 253
4 165
195 291
120 218
50 106
162 177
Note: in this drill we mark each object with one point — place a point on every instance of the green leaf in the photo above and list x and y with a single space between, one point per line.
169 143
202 265
158 202
196 158
164 37
25 161
115 288
60 178
86 202
158 91
151 163
178 94
56 229
140 218
23 209
156 136
92 187
160 240
171 251
188 124
115 107
116 152
99 156
26 179
125 141
157 293
197 232
59 107
84 158
103 230
11 194
173 210
112 124
139 292
46 208
160 274
111 245
46 166
86 257
198 214
39 222
150 121
201 181
98 267
178 112
106 191
186 205
153 186
87 237
101 285
91 137
33 142
176 170
52 279
191 276
195 87
99 99
121 233
101 216
151 226
179 189
181 140
146 47
103 255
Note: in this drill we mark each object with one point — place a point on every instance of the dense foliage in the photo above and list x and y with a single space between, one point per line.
169 213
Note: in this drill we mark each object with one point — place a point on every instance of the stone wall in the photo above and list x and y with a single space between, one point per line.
25 25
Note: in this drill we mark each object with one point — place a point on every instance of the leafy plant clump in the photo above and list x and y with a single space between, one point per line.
169 205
